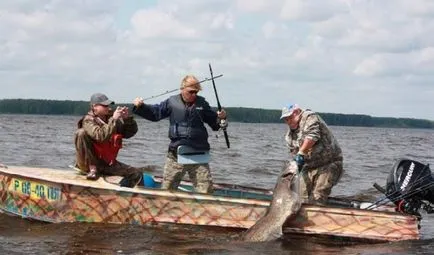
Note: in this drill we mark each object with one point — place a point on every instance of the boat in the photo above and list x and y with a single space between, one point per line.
63 195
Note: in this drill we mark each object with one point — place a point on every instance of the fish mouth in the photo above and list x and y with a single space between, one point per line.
289 170
288 175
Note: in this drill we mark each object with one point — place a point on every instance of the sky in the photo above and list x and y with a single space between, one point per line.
339 56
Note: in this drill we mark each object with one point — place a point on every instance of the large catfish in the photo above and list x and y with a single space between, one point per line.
285 203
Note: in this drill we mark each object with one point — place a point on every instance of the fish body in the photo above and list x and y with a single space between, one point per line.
286 202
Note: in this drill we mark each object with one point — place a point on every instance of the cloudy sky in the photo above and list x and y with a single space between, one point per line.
343 56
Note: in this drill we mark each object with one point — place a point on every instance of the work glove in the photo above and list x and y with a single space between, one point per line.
299 159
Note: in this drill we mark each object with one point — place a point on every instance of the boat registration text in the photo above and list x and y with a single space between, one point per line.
35 190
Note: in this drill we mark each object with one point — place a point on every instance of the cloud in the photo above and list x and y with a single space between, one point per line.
418 8
331 56
311 10
158 24
420 62
254 5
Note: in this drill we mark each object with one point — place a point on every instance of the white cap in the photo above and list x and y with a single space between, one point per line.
288 110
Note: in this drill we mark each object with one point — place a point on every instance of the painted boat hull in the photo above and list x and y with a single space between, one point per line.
56 195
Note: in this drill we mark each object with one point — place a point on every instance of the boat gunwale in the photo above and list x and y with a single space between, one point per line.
195 196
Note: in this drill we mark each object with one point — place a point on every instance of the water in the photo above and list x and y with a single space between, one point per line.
255 158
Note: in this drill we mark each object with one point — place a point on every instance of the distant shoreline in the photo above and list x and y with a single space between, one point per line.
235 114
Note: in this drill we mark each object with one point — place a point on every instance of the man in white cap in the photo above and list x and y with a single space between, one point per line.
99 139
312 145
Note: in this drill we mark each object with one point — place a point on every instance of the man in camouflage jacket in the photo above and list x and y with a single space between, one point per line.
99 138
315 149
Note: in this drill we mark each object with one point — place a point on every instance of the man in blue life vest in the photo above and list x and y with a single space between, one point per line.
187 113
99 139
312 145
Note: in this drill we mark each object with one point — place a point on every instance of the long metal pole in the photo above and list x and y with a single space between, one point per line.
173 90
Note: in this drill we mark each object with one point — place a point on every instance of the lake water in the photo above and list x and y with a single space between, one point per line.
255 158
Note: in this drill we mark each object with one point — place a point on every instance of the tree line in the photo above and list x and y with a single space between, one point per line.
236 114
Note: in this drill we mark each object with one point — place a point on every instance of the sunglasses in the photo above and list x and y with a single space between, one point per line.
292 116
193 92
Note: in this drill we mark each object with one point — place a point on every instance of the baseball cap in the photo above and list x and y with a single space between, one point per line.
288 110
99 98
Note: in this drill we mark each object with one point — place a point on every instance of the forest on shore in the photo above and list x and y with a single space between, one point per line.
235 114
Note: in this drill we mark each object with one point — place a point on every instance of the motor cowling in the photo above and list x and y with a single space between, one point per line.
409 185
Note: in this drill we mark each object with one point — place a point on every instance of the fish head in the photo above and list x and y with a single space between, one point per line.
290 176
289 169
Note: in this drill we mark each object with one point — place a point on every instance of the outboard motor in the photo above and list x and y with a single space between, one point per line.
410 185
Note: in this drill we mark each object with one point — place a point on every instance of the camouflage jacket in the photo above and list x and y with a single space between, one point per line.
101 131
326 148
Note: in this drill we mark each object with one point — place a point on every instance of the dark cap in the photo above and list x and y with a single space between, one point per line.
99 98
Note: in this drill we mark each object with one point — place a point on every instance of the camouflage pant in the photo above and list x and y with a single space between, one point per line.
200 175
316 184
85 156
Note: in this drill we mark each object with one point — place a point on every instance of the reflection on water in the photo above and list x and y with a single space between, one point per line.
256 155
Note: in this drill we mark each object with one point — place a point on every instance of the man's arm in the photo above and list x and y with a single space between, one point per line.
307 144
210 116
311 134
100 133
154 112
